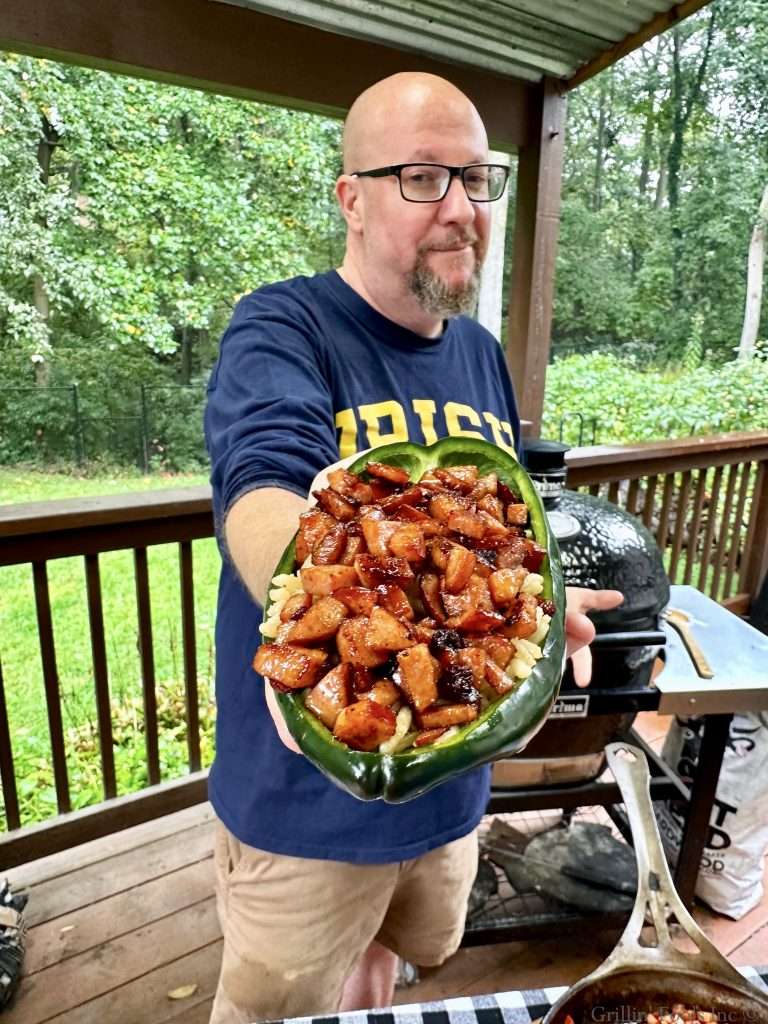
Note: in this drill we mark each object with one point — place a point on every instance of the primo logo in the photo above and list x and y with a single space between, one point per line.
571 707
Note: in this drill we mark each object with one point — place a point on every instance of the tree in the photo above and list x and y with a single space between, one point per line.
135 214
755 264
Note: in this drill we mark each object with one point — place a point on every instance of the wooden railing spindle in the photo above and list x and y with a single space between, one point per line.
679 531
706 548
726 529
634 487
666 502
613 492
738 521
190 653
147 655
51 683
7 773
100 674
693 532
650 492
755 555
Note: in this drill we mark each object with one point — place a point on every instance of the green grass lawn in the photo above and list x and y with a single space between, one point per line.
20 656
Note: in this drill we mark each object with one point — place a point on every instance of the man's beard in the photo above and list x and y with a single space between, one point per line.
436 297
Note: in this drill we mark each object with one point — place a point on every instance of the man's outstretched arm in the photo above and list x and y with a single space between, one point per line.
257 530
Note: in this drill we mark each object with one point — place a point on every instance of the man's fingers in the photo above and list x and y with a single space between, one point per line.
580 631
580 599
581 661
277 718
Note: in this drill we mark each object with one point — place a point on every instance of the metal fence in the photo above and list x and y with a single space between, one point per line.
157 427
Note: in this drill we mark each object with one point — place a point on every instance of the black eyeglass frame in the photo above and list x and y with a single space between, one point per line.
453 172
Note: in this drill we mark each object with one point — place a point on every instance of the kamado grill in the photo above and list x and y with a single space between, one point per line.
601 546
574 867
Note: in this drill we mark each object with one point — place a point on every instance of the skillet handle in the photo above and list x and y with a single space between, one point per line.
655 889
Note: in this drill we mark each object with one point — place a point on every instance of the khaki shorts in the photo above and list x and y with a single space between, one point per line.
294 928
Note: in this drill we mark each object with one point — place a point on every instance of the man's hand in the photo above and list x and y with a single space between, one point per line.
277 718
579 631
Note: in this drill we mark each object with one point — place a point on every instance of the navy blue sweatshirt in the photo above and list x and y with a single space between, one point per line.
308 373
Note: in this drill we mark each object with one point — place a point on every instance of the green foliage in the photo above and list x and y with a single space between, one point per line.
633 273
635 404
133 215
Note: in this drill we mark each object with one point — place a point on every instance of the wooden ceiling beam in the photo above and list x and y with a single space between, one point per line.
239 52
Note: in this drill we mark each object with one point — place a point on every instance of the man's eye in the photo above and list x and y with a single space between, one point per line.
420 177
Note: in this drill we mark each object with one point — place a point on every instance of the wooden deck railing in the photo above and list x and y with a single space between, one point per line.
707 497
704 497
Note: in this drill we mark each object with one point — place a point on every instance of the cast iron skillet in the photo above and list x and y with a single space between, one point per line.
638 978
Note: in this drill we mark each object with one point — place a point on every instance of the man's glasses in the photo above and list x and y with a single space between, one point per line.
429 183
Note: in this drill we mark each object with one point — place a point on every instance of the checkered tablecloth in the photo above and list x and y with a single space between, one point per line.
499 1008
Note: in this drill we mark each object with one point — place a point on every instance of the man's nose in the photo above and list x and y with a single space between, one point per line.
455 206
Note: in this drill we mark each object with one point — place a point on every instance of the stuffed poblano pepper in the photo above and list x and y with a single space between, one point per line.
415 626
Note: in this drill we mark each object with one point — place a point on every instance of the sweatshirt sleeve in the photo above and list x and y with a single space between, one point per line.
269 418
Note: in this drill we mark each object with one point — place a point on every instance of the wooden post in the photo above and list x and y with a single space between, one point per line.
539 173
756 553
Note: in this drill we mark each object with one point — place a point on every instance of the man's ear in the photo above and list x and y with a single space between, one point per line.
350 200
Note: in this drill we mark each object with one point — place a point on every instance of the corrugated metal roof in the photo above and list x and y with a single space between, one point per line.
524 39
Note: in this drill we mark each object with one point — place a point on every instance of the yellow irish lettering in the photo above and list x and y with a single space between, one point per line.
425 410
346 422
454 412
372 415
498 429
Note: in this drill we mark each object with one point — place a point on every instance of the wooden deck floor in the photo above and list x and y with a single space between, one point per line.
117 924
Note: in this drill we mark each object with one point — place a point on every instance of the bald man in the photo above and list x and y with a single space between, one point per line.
318 893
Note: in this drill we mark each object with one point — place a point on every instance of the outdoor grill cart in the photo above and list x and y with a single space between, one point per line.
728 674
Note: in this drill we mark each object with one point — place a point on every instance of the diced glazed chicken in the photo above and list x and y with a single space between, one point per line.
408 542
359 600
443 506
350 486
445 715
467 523
418 676
394 474
459 568
521 621
394 599
375 572
497 678
505 584
497 648
429 585
473 658
333 503
331 694
365 725
377 533
353 646
428 736
387 633
313 526
319 623
321 580
295 607
330 549
517 515
384 691
292 667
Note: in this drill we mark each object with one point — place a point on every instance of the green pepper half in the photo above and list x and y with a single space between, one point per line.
506 725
